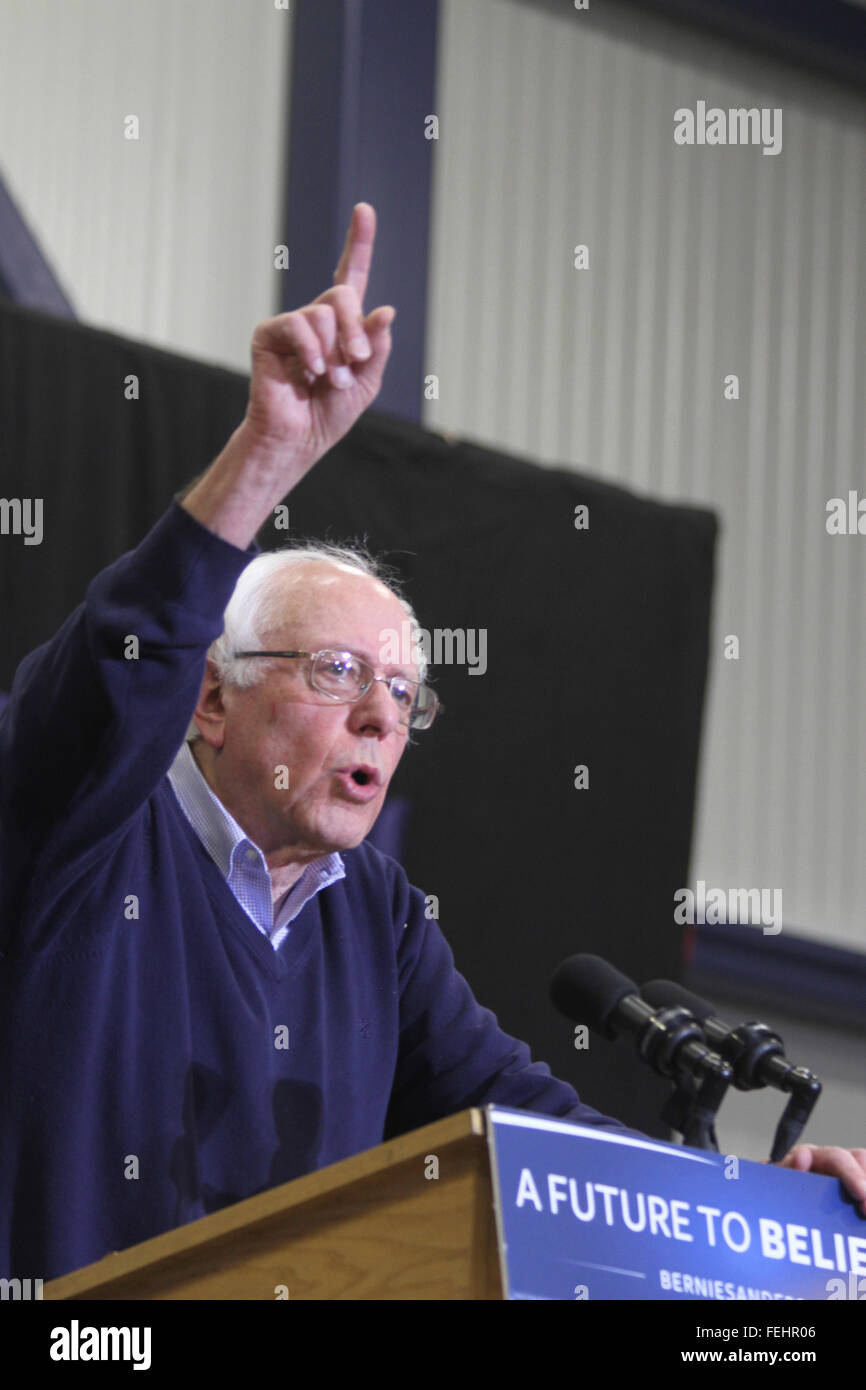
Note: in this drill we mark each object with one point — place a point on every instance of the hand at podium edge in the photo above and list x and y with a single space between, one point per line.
849 1165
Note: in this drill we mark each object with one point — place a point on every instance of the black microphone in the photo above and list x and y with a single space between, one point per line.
755 1052
757 1056
587 989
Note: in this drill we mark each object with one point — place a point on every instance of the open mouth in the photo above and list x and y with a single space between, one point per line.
361 782
363 775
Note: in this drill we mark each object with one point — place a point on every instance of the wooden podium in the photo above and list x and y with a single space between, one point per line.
372 1227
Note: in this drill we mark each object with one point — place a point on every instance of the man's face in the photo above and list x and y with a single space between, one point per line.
283 723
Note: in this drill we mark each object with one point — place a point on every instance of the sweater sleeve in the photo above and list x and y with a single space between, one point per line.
452 1052
97 714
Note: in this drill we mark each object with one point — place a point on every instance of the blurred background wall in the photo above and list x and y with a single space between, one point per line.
168 237
557 130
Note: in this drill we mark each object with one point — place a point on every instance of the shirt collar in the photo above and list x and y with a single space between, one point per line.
225 841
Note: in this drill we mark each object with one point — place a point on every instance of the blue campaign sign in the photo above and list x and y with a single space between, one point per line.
588 1213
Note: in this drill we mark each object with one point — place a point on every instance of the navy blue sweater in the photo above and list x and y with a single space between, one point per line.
142 1080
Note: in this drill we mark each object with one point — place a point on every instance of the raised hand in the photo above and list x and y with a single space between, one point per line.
313 373
316 369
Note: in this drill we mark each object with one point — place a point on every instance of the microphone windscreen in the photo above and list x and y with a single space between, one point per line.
667 994
587 990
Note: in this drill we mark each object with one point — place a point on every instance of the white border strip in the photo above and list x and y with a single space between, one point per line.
523 1120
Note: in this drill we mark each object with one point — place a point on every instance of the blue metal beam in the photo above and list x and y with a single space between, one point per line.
363 82
25 275
797 975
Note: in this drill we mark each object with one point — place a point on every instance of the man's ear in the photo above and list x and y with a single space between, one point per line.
209 713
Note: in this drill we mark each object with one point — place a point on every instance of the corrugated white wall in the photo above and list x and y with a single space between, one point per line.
557 129
169 238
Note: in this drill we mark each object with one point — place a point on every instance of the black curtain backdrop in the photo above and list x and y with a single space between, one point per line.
596 647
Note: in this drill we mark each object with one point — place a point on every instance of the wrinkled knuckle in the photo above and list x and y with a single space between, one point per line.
345 299
321 316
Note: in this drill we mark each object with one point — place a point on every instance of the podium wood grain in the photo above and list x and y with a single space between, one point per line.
371 1227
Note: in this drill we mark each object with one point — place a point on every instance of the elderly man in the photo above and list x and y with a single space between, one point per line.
210 983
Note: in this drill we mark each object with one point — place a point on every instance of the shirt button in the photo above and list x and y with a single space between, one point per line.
251 855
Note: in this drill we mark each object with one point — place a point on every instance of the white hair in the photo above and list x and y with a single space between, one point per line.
257 605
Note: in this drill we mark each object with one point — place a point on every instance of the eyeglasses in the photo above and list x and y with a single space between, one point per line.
346 677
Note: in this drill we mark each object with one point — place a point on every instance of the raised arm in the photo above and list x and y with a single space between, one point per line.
97 714
314 371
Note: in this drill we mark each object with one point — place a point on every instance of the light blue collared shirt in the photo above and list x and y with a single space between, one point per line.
239 860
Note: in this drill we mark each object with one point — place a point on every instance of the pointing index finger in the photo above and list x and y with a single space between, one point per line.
354 267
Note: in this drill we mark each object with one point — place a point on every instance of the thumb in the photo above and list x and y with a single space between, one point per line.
378 323
377 326
799 1158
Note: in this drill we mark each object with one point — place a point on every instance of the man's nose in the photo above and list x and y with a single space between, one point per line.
377 709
